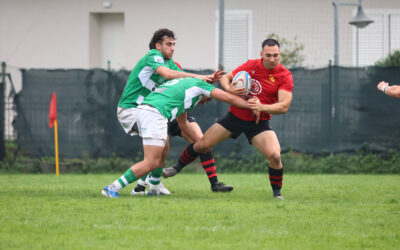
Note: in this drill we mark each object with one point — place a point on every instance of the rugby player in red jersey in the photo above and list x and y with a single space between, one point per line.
272 85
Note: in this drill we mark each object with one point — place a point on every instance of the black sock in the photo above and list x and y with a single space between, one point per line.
208 163
275 178
188 156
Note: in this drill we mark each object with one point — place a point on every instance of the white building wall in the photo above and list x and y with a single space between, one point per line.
56 34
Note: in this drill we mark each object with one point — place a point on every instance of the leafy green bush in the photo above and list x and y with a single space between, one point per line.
291 51
363 161
392 60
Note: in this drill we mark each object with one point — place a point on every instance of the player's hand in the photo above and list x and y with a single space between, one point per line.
255 104
381 85
215 76
206 78
211 78
257 115
237 91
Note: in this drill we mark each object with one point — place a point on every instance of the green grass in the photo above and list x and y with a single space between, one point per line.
320 212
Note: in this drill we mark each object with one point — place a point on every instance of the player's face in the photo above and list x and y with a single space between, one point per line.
166 47
270 56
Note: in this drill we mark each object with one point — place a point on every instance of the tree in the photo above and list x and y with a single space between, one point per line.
392 60
291 51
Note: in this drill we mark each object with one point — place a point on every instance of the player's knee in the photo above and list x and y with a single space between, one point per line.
201 147
275 160
153 163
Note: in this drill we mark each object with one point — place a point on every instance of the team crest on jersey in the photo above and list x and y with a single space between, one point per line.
158 59
271 78
255 87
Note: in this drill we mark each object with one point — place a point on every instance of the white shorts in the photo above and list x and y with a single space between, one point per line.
152 126
127 119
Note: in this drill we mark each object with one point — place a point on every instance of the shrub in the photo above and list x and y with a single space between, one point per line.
392 60
291 51
363 161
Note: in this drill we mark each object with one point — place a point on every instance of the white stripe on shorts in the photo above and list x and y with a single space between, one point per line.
154 142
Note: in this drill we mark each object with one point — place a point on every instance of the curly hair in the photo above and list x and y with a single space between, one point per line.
158 37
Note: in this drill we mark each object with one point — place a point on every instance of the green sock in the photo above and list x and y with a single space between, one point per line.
127 178
155 176
143 178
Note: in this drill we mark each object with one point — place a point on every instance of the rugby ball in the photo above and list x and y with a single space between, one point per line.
243 80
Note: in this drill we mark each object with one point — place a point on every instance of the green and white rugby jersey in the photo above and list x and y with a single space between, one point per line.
144 79
178 96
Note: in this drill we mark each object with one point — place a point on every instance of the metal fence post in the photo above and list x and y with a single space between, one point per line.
2 112
330 104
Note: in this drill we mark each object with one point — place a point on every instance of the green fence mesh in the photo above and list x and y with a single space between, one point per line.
334 109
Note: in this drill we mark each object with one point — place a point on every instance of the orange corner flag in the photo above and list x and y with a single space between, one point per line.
53 110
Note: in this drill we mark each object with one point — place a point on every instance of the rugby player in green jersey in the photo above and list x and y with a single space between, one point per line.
152 70
169 101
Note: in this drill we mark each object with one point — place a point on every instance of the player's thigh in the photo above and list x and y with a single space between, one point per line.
268 144
196 136
153 154
213 136
152 157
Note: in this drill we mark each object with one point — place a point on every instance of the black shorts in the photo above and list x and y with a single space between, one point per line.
237 126
174 129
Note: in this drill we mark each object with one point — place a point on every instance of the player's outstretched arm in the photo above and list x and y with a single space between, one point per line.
170 74
280 107
393 91
226 84
224 96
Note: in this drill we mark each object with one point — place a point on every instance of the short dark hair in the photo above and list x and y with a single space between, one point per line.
159 35
270 42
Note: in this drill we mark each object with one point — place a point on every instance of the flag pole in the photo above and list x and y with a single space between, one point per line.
56 146
53 122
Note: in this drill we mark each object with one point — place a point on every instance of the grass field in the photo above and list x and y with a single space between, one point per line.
320 212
